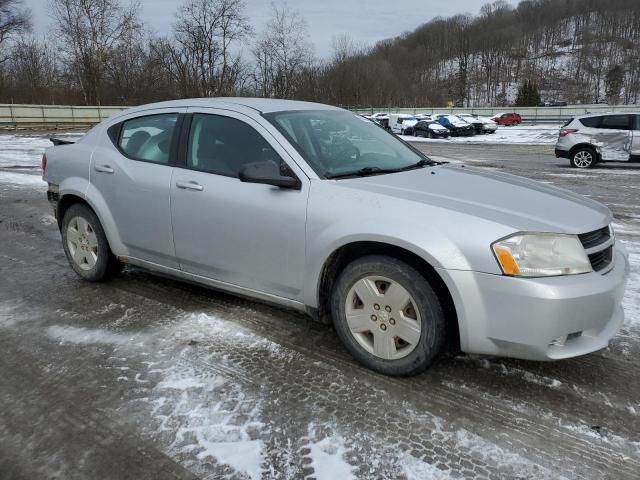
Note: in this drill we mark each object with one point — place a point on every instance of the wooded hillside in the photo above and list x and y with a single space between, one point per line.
581 51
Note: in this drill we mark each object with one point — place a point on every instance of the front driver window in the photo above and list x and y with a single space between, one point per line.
224 145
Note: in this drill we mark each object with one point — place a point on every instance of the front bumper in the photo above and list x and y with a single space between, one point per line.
440 133
539 318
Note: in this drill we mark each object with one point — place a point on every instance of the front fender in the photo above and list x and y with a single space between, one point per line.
434 248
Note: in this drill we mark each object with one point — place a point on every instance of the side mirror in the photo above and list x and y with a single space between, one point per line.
268 173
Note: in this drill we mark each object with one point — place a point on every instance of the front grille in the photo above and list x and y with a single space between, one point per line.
601 258
595 238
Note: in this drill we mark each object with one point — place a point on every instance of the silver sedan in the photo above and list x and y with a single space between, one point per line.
313 208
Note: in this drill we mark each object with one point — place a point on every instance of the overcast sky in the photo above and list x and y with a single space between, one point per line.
367 21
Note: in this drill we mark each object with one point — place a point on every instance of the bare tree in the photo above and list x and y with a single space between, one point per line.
33 70
282 53
14 21
90 31
201 57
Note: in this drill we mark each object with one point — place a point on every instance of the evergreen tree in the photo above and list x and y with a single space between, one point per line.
614 80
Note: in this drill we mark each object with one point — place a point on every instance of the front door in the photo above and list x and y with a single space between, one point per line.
133 177
243 234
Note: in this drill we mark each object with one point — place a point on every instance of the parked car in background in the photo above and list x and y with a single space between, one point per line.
402 123
481 124
379 115
430 129
507 119
589 139
315 209
554 103
456 126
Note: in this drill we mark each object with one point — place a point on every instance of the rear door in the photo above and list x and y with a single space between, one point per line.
614 137
133 177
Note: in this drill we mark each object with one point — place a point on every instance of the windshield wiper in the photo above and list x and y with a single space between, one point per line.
366 171
421 164
363 172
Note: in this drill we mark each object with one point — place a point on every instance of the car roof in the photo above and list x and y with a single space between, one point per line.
261 105
601 114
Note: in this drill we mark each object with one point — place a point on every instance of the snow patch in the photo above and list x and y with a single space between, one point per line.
415 469
66 334
327 458
26 150
21 180
245 457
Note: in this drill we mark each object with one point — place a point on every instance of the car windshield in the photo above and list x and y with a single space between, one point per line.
340 144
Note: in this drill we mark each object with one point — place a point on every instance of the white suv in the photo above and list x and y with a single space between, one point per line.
589 139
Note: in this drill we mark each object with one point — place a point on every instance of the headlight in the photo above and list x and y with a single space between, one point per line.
541 255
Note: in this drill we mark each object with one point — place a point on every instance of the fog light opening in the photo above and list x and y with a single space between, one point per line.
559 341
562 340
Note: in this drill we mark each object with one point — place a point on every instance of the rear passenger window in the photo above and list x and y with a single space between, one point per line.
224 145
616 122
148 138
591 122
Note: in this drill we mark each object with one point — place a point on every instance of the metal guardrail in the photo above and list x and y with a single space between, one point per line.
33 116
530 115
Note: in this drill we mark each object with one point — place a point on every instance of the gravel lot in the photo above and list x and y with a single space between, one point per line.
149 378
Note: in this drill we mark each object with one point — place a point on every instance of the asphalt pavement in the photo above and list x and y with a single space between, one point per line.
144 377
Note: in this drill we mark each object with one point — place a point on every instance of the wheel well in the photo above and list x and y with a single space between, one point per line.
348 253
64 203
575 148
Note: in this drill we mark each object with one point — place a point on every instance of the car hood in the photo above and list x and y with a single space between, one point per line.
436 126
516 202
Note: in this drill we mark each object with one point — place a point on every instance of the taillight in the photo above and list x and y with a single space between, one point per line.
567 131
44 164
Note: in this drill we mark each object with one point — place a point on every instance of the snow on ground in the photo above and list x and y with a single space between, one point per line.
631 302
18 180
327 458
25 150
520 135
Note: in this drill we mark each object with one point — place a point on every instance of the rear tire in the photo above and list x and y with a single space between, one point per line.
584 158
85 245
388 316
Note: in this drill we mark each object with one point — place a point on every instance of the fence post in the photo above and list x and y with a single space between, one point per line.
13 118
43 119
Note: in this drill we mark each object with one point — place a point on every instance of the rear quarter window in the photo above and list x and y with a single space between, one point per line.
148 138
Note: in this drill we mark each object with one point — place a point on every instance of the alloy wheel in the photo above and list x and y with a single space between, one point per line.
583 159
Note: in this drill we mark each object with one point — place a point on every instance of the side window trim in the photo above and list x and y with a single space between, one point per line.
185 137
115 135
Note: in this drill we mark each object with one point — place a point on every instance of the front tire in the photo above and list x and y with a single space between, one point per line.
388 316
584 158
85 245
